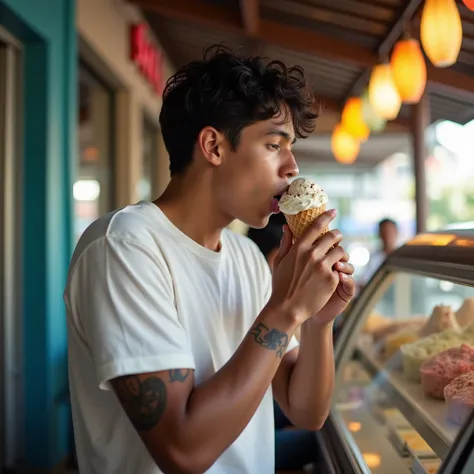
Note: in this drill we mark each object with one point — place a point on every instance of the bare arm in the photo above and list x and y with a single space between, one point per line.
310 373
186 428
304 383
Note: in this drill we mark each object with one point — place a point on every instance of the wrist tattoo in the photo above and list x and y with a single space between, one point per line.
272 339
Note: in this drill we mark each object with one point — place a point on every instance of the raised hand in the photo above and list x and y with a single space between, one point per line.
305 276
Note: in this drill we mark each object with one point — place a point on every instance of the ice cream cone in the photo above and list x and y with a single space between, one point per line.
298 223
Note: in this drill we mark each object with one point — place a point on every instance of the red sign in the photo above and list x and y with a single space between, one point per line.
146 56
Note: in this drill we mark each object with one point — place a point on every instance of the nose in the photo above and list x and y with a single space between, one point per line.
291 168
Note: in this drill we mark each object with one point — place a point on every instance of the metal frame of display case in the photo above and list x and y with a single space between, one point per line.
447 256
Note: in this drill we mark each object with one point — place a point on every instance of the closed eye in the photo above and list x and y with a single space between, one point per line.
274 146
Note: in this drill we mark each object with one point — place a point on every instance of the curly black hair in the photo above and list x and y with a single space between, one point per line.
230 92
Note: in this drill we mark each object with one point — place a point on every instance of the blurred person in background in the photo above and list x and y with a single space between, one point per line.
178 333
293 448
388 242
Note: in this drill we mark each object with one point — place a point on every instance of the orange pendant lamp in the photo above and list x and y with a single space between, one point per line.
383 94
441 31
409 70
344 146
469 4
353 119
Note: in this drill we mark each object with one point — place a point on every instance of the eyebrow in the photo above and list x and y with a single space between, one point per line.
281 133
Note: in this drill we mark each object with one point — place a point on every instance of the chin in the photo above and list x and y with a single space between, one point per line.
257 222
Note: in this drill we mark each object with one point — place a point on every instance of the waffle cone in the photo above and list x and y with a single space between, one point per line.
301 221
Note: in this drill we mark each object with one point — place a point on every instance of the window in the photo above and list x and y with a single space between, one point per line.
146 183
93 189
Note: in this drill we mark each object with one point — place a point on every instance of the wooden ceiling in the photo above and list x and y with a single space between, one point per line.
336 41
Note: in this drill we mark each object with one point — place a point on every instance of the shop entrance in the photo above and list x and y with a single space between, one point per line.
10 258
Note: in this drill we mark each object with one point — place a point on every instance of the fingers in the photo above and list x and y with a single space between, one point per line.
285 246
346 288
344 267
327 241
333 256
317 227
345 258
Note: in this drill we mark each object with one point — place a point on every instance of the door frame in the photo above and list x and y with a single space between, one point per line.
11 217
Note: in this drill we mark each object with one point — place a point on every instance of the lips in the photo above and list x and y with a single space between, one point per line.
276 199
275 206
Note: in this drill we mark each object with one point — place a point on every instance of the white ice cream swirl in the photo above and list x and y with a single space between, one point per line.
303 194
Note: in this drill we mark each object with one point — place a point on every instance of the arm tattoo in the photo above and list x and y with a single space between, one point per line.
272 339
179 375
144 401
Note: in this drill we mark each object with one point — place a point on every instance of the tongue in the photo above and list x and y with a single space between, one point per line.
275 207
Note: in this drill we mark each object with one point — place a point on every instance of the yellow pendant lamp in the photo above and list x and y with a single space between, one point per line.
409 70
353 119
383 94
441 31
344 146
469 4
373 121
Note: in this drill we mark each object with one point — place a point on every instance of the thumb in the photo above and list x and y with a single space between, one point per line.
285 246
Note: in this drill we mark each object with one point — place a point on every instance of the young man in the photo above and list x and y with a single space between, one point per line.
177 334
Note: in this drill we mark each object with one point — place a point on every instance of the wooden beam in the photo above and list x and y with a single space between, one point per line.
302 40
194 11
317 44
249 10
250 16
271 32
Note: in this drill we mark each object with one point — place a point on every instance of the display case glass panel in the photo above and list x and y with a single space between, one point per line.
407 386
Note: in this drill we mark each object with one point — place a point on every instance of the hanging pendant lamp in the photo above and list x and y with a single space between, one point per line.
344 146
409 70
353 119
383 94
441 31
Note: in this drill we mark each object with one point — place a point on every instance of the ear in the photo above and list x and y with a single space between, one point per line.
210 143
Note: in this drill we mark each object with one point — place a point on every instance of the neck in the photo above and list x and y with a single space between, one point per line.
189 204
388 249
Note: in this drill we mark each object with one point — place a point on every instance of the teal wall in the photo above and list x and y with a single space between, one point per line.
47 30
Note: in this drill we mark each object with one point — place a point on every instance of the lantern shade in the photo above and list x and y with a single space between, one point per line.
373 121
409 70
469 4
353 120
441 31
383 94
344 146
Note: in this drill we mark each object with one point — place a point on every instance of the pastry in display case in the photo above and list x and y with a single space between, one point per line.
405 365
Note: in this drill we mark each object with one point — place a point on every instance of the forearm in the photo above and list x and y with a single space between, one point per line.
220 409
312 379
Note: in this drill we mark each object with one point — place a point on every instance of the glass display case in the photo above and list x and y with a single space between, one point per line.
405 365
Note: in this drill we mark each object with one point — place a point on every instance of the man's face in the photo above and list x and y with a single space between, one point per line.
389 234
249 177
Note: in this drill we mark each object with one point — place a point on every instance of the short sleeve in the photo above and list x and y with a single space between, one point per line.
267 278
121 294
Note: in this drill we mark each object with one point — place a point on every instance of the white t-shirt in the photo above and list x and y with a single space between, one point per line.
142 296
